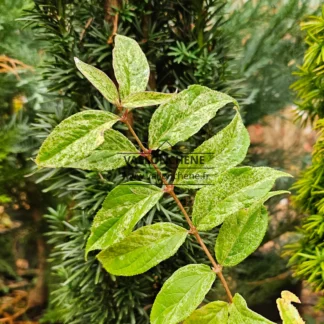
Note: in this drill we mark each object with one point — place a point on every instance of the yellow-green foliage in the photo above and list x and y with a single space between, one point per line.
307 254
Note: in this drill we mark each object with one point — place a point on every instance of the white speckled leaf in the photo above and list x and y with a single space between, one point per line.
222 152
111 154
213 313
288 312
143 249
242 233
99 80
124 206
233 190
75 138
145 99
182 293
184 115
130 65
239 313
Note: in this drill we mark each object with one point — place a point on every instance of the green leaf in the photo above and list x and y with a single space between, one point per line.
130 65
222 152
124 206
233 190
113 153
99 80
143 249
146 98
239 313
213 313
182 293
184 115
288 312
75 138
242 233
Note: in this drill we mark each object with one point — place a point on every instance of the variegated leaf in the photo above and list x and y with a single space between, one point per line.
143 249
288 312
239 313
75 138
184 115
242 233
182 293
213 313
235 189
145 99
115 152
222 152
130 65
124 206
99 80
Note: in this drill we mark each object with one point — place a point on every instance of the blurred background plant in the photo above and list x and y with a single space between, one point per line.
245 48
306 255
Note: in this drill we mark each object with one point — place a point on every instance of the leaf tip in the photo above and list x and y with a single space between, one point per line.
76 60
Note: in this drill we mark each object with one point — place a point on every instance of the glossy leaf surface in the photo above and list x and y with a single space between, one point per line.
130 65
242 233
213 313
239 313
124 206
143 249
184 115
145 99
222 152
235 189
75 138
182 293
99 80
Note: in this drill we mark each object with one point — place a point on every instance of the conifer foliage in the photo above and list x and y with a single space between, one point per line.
307 254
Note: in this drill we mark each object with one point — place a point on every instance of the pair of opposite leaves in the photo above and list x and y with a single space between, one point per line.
85 140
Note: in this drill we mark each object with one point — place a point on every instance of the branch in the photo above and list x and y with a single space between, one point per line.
170 190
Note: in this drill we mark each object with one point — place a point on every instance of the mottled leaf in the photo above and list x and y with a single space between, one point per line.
184 115
130 65
75 138
213 313
288 312
222 152
233 190
143 249
99 80
239 313
242 233
124 206
115 152
181 294
146 98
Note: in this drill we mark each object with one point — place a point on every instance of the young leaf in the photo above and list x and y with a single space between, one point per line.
130 65
288 312
233 190
242 233
75 138
113 153
124 206
220 153
181 294
184 115
146 98
99 80
239 313
143 249
213 313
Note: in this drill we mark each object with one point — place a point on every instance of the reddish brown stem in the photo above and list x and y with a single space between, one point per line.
169 189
